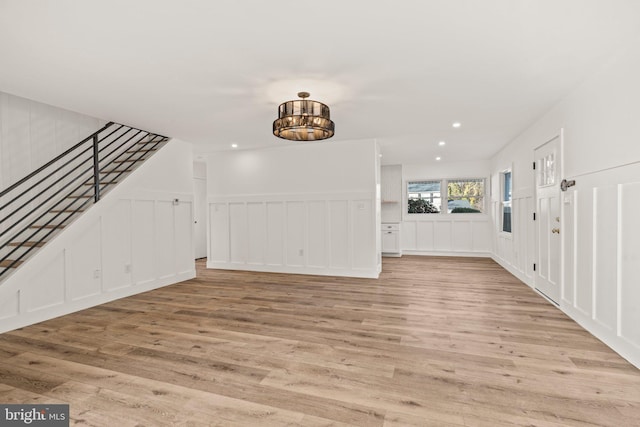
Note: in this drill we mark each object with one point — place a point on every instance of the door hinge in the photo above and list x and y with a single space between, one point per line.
534 266
534 165
534 216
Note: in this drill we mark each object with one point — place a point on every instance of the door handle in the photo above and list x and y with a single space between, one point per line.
556 230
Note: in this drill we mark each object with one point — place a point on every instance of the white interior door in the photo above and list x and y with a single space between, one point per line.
548 219
200 215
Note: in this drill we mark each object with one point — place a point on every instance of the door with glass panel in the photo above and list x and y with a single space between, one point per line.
547 273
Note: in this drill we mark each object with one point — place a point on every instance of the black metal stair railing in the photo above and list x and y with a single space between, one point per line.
37 206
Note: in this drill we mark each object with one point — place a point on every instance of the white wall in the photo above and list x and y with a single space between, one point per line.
310 209
391 193
135 239
445 234
32 133
601 249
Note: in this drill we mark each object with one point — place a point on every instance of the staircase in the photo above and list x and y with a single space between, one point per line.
40 205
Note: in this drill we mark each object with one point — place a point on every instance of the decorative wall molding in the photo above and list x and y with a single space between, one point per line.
602 257
515 250
453 235
324 234
134 240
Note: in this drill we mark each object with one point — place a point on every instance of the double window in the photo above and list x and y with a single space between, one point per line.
462 196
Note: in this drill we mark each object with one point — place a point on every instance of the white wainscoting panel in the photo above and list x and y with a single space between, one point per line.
10 305
238 227
442 236
339 232
568 290
47 288
462 236
606 253
296 233
363 245
295 238
515 251
423 235
165 238
183 237
116 252
409 236
144 218
602 257
83 264
454 235
584 261
219 226
629 260
317 238
138 237
257 229
274 255
118 248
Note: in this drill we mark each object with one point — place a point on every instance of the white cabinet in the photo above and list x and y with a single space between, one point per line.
391 239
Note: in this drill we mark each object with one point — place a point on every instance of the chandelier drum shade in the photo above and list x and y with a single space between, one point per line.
303 120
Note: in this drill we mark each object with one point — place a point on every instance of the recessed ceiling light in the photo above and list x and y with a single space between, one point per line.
379 155
441 143
456 124
234 145
438 158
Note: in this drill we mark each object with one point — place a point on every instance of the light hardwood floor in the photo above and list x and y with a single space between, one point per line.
433 342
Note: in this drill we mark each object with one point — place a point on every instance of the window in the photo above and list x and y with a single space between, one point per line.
463 196
505 201
424 197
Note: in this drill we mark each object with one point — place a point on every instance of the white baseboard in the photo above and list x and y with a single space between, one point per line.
445 253
318 271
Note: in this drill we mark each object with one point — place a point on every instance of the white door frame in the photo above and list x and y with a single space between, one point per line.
200 216
559 135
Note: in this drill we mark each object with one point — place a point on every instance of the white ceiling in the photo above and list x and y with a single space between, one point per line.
214 72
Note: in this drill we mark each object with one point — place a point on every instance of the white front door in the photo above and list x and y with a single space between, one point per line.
548 162
200 217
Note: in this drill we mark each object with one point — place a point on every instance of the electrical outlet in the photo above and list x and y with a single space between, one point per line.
127 268
301 252
96 274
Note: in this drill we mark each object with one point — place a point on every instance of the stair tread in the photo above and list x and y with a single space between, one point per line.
101 183
66 211
7 262
142 150
115 170
147 142
86 196
128 161
27 244
50 226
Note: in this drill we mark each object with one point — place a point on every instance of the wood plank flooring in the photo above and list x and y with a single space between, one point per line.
434 342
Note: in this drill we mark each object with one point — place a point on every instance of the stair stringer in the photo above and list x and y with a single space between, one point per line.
137 238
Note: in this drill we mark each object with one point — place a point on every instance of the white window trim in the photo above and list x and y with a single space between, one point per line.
502 173
444 197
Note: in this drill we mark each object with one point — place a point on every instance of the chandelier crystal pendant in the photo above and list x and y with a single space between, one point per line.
303 120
